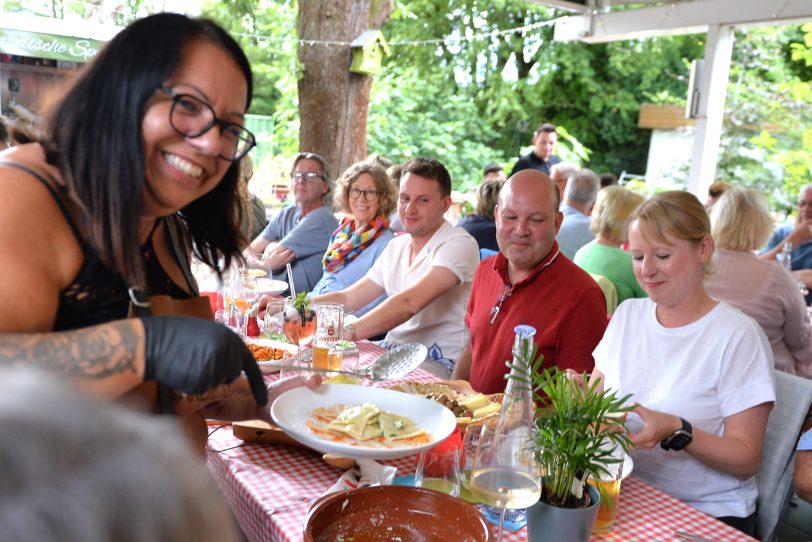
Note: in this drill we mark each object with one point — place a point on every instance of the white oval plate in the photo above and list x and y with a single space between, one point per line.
628 466
271 366
266 286
293 409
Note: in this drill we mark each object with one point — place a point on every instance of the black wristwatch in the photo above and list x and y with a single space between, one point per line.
680 438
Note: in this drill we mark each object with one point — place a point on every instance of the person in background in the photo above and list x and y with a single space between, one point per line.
603 256
299 234
578 199
560 174
22 133
481 223
367 195
699 370
529 282
766 292
493 172
426 274
137 167
802 475
608 179
5 135
541 157
715 191
78 469
798 239
252 210
395 172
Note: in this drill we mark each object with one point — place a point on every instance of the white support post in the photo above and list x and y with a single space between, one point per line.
712 89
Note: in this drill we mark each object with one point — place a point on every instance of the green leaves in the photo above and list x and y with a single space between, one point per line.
577 427
302 303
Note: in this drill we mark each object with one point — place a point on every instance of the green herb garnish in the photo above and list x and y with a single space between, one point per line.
302 304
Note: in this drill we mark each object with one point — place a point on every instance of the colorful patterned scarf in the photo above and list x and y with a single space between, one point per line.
347 242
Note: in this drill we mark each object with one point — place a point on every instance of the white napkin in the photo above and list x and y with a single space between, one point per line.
368 473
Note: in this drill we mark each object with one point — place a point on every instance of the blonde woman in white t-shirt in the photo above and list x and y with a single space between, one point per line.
700 370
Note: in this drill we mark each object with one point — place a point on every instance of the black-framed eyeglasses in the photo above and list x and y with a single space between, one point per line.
192 117
309 176
496 308
371 194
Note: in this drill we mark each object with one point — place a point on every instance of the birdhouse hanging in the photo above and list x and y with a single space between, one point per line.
368 51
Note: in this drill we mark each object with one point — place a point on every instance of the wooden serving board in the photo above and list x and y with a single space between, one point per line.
262 431
265 432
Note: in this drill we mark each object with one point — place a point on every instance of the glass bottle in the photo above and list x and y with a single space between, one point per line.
252 325
518 408
786 256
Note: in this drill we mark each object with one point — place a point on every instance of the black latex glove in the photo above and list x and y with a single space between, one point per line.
192 355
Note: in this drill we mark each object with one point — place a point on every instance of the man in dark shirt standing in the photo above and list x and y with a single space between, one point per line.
542 157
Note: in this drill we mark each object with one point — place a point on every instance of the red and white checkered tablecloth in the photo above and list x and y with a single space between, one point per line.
270 487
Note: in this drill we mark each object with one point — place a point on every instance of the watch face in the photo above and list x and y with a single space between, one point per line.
679 440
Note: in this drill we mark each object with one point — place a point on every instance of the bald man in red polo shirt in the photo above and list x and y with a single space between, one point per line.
529 282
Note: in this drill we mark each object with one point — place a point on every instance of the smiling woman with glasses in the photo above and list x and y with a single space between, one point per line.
192 117
367 195
136 169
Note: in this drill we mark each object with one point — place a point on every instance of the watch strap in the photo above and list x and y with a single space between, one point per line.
680 438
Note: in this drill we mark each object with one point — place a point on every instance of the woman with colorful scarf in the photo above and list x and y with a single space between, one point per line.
367 195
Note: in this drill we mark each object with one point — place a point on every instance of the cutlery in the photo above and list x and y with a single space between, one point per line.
395 363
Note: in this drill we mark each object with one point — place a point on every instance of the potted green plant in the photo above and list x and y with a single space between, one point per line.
577 428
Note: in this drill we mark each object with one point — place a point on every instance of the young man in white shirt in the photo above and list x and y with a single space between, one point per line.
426 274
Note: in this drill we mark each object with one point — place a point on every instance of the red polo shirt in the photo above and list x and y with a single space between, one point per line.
557 298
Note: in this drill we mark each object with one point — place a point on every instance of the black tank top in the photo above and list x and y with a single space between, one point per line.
99 294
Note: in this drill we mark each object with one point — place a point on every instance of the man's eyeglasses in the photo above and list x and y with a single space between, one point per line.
356 193
309 176
192 117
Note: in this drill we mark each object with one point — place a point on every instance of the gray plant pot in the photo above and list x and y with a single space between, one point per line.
546 522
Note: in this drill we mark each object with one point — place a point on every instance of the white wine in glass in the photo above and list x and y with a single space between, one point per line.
505 473
505 487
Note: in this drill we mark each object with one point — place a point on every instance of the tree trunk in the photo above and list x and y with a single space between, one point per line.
333 102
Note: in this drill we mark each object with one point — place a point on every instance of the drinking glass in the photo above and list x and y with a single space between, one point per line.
297 365
609 489
274 316
329 330
438 468
505 473
344 355
470 441
299 327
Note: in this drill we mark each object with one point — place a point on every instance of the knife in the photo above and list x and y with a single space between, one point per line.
692 537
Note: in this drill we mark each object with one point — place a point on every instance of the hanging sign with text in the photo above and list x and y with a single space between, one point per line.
40 45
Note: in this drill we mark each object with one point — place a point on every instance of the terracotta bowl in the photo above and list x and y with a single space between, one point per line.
409 514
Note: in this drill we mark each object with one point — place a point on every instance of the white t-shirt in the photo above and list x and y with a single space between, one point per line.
441 324
715 367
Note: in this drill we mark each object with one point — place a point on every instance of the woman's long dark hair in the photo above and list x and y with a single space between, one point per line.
93 135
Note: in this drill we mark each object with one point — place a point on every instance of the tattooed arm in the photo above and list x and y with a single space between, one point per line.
107 359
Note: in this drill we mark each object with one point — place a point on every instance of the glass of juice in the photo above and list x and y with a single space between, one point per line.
609 489
343 355
329 330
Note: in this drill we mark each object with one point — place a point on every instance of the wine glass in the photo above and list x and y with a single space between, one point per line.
299 326
506 473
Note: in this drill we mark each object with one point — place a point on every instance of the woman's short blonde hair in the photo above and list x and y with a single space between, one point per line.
740 220
613 207
676 214
387 193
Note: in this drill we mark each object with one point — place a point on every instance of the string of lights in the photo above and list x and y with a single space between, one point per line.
336 43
